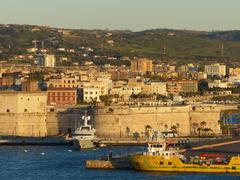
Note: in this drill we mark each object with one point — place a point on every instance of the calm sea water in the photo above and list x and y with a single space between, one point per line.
59 163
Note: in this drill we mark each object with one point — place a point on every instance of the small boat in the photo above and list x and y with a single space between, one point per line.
84 136
161 158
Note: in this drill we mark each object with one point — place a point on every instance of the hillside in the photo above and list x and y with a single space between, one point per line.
164 44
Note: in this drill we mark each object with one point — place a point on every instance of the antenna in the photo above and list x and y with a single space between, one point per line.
222 50
43 44
164 50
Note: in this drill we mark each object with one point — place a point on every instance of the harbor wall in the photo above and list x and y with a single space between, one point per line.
114 121
27 125
124 121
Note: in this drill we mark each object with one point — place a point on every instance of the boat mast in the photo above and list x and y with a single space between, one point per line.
86 119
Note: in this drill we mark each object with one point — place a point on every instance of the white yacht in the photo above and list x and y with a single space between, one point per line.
84 136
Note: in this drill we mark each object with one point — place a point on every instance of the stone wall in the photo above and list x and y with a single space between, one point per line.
114 121
22 124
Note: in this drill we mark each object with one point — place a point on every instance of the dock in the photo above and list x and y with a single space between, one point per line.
99 164
25 141
117 162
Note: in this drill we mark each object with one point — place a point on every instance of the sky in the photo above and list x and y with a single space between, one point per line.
124 14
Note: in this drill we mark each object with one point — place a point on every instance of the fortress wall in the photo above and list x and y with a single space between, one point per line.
8 124
62 123
210 117
115 123
28 125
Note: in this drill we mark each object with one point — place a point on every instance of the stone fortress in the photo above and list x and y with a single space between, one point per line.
27 114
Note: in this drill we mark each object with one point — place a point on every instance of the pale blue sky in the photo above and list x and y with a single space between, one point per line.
124 14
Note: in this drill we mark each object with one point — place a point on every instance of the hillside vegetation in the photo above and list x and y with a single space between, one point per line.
160 44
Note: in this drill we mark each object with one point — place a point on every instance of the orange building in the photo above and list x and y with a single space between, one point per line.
6 81
30 86
141 66
62 96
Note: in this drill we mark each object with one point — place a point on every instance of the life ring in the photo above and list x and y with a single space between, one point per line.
169 163
161 163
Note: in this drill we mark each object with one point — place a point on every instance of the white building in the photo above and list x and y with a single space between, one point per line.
155 88
47 60
215 70
218 84
91 94
126 91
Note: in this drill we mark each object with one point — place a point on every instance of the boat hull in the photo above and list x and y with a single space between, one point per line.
84 144
160 164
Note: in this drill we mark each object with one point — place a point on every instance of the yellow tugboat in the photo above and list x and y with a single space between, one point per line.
162 158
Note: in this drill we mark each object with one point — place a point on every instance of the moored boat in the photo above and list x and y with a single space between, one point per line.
84 136
160 157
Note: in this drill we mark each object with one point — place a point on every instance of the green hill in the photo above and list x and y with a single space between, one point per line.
160 44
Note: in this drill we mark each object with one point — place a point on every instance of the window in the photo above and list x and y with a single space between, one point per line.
25 110
8 110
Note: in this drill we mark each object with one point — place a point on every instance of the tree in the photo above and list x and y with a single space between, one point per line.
166 127
199 129
195 128
148 128
207 131
202 127
136 135
203 124
128 131
174 129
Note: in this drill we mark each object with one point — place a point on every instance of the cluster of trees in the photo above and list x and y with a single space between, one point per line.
202 129
108 99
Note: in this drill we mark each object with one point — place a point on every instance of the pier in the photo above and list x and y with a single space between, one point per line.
46 141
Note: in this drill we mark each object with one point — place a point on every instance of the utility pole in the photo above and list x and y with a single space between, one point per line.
222 50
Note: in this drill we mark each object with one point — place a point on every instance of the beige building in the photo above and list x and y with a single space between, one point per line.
182 86
141 66
91 94
47 60
126 91
64 82
218 84
155 88
23 113
215 70
234 71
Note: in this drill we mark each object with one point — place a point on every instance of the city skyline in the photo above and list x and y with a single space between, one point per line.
134 15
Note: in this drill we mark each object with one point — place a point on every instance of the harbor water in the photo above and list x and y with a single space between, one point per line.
61 162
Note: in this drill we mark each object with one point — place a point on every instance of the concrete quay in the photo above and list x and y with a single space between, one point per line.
46 141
